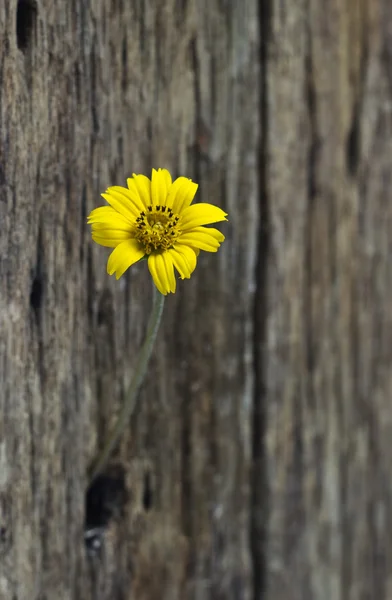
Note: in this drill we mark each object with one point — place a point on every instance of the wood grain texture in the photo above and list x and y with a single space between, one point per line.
256 466
325 356
91 92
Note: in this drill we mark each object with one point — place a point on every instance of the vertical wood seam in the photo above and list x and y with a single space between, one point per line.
259 492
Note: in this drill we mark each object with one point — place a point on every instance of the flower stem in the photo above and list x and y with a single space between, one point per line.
134 387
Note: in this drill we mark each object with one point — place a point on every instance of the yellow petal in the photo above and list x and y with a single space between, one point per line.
110 237
161 268
113 223
160 186
181 194
143 186
122 257
201 214
218 235
179 182
135 193
203 243
180 263
156 273
120 201
189 255
205 238
106 214
167 259
131 195
168 178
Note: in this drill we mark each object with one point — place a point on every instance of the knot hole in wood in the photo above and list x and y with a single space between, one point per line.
26 18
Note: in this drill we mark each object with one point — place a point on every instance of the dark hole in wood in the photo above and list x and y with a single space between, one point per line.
26 16
353 146
105 499
36 294
3 535
147 492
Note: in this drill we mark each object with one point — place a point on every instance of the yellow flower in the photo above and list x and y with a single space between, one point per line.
155 219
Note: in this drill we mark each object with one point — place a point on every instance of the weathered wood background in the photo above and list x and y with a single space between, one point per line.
258 463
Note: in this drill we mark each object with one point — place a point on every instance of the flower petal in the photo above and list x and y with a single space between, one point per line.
131 194
101 227
180 263
168 178
108 217
163 276
181 194
102 214
205 238
201 214
120 199
110 237
189 255
215 233
167 259
155 268
113 223
143 186
135 193
122 257
160 186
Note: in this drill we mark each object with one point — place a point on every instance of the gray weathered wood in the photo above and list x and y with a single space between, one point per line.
325 353
91 92
257 464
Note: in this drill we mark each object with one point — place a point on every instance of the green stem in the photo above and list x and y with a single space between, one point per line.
132 392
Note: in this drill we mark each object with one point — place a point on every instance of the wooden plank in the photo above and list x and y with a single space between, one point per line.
325 354
92 91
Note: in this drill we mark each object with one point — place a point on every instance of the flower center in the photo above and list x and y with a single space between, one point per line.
157 228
